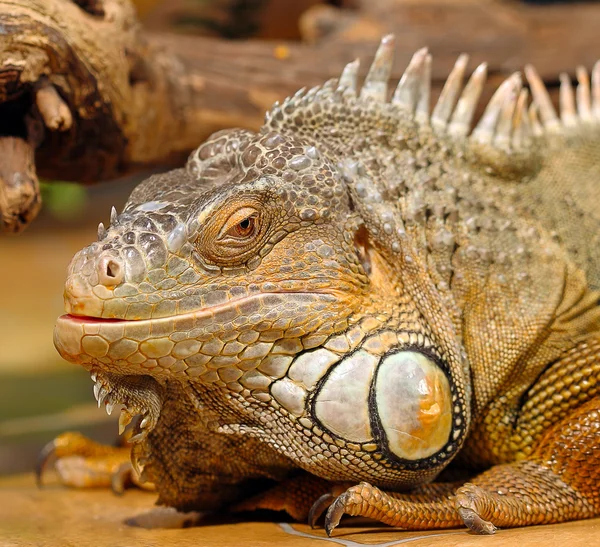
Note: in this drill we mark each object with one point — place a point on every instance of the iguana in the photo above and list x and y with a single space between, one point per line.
330 312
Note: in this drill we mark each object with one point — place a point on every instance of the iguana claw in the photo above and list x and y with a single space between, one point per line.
335 513
46 455
318 507
466 501
122 478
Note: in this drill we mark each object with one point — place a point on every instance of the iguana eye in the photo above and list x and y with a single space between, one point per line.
241 225
244 229
233 235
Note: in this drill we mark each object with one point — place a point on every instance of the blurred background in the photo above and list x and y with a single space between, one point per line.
41 395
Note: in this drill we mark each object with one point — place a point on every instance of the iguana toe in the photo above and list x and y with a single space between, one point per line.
471 501
360 500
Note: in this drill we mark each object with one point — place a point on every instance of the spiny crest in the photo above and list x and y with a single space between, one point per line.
576 107
508 123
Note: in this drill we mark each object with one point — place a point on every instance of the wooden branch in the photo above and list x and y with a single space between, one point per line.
20 198
113 99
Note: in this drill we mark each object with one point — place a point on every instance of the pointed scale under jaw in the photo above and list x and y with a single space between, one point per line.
205 276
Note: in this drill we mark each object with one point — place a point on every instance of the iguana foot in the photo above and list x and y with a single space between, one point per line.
83 463
556 484
428 507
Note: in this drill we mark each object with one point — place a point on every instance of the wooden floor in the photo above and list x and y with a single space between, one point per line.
56 516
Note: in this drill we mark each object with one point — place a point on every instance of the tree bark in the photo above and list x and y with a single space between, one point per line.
107 99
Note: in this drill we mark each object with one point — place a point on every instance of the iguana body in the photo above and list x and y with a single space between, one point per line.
362 291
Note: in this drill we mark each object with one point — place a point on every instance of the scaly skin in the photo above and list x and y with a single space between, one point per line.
363 291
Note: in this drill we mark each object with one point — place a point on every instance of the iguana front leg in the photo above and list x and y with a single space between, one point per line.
557 483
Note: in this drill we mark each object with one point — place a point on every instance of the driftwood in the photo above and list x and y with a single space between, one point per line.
96 97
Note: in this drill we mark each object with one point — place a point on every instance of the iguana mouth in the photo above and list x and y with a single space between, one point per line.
170 345
92 320
201 312
139 393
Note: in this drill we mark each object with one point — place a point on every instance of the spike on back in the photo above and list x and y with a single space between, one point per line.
534 120
496 123
568 112
412 82
508 124
449 95
584 98
522 128
349 78
376 82
422 110
506 120
460 123
542 100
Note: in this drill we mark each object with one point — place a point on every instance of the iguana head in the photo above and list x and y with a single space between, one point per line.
224 246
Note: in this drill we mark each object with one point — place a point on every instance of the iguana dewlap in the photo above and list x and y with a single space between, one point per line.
362 292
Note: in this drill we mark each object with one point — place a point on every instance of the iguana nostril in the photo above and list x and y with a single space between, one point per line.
110 271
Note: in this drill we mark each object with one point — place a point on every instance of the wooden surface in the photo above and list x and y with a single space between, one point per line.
56 516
